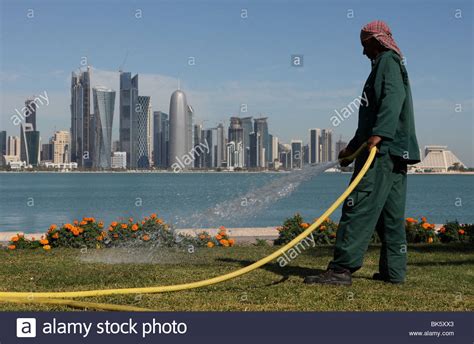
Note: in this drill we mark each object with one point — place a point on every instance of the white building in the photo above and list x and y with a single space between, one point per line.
437 159
119 160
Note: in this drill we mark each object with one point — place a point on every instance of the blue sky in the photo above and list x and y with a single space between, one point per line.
242 60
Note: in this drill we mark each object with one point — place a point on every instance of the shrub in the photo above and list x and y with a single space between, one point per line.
420 231
293 226
454 232
92 234
220 239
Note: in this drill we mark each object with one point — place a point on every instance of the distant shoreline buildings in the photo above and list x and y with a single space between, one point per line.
170 141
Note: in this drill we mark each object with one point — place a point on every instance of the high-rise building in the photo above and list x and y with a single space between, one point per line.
160 139
128 131
104 104
61 143
235 154
306 154
81 119
47 151
180 141
144 115
198 139
340 145
296 154
275 152
326 145
285 155
3 143
261 141
207 159
220 145
236 131
13 146
247 129
314 146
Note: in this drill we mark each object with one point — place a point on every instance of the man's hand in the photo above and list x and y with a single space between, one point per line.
342 157
373 141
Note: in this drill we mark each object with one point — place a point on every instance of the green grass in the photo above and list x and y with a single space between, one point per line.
440 278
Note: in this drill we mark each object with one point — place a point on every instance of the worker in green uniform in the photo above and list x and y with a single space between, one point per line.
378 201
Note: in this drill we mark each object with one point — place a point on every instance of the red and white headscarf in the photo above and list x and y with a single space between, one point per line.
382 33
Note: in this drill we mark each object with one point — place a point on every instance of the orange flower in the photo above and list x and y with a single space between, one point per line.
411 220
332 235
15 238
11 247
218 237
116 235
46 247
426 226
44 242
114 224
143 222
442 230
146 237
76 222
130 219
111 229
100 238
124 226
134 227
55 235
202 236
304 225
231 242
210 244
159 221
153 216
423 219
83 223
52 227
461 231
101 224
322 228
224 242
430 240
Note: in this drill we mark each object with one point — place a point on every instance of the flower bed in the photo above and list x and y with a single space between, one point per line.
94 234
417 231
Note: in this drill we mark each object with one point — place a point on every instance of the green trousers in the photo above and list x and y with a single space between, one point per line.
377 203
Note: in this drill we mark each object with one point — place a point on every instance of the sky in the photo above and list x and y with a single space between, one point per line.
227 53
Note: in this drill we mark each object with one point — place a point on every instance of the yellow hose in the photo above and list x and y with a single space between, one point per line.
28 297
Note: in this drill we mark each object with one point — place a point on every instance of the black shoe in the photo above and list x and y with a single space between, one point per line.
381 277
331 277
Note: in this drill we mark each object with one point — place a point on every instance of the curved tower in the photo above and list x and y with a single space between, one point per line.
104 102
180 122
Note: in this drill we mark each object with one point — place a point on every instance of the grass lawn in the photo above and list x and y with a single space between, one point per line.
440 278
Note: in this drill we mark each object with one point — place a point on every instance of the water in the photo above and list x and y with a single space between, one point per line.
30 202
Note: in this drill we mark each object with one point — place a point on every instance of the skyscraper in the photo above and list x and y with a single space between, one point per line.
274 143
128 131
104 103
247 129
296 154
61 143
3 143
180 142
326 145
220 145
262 141
29 136
198 139
207 158
340 145
160 139
144 111
13 146
314 146
81 119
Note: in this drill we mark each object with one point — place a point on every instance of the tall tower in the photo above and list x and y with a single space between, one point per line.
60 146
262 140
247 129
144 110
314 146
81 119
326 145
128 131
160 139
104 103
29 136
180 117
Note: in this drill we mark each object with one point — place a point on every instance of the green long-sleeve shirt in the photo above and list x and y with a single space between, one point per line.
389 109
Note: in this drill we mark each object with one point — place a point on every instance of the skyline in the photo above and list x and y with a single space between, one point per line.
258 73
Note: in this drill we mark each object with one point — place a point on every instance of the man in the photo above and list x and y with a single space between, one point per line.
378 201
